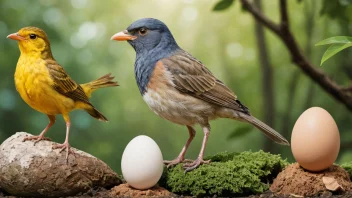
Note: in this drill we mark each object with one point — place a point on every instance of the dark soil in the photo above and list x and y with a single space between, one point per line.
325 194
290 183
161 192
5 194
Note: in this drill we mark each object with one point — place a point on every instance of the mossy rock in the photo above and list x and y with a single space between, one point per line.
229 174
348 168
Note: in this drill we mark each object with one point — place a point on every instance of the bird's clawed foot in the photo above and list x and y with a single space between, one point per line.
37 138
194 164
65 146
174 162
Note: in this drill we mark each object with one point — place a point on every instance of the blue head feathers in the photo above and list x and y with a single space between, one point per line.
152 41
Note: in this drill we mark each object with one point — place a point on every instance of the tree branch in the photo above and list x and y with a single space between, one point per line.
261 17
298 58
347 88
283 14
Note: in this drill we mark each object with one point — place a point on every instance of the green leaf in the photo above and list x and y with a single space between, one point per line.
223 5
334 49
335 40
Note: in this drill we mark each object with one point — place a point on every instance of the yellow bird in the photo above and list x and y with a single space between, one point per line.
45 86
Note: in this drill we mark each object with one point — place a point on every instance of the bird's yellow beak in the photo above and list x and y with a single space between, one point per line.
16 37
123 36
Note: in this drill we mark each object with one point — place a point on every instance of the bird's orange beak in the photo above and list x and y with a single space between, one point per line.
16 37
123 36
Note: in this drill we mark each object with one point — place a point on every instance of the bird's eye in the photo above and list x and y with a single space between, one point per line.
32 36
142 31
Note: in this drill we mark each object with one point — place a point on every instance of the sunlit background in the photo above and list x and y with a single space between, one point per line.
80 31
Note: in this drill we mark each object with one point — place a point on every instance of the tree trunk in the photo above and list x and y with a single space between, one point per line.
267 79
287 118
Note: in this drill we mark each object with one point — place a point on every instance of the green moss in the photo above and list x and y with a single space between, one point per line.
229 174
348 168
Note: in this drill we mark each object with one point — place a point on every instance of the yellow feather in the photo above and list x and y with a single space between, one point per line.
45 86
43 83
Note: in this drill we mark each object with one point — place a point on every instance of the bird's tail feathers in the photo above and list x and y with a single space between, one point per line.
104 81
96 114
268 131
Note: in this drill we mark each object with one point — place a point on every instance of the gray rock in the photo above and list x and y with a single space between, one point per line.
40 171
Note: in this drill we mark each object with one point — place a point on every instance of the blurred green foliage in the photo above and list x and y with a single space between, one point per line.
348 167
339 9
80 31
229 174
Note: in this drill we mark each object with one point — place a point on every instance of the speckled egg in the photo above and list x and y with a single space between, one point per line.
315 140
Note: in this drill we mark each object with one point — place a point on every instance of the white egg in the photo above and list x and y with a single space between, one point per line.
142 163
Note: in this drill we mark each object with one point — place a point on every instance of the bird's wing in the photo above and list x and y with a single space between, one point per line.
64 84
190 76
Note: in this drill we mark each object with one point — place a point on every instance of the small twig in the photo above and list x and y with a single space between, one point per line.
261 17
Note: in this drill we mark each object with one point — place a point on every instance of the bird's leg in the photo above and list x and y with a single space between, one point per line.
40 137
181 156
193 165
65 146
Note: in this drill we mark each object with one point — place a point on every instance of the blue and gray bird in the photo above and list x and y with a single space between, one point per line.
179 88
